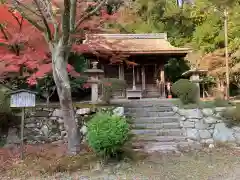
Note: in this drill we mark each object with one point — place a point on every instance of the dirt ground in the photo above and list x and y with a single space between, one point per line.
50 164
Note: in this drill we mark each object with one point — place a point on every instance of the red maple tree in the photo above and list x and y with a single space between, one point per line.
58 28
20 55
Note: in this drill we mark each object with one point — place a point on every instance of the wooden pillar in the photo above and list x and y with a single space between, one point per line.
143 78
119 72
122 77
138 74
162 81
134 80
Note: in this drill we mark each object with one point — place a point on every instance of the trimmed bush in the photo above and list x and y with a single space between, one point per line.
186 91
107 134
232 116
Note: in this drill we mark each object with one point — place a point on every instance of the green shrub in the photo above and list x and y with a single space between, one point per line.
219 102
232 116
107 134
186 91
111 85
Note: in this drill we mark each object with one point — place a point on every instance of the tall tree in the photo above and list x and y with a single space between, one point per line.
63 23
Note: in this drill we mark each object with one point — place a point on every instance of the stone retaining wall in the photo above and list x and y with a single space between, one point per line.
44 125
207 126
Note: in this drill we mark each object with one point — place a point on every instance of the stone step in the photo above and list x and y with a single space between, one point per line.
167 146
148 105
161 148
161 132
144 144
150 114
149 109
153 138
156 119
153 125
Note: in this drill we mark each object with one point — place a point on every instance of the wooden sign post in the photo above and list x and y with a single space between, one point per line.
22 99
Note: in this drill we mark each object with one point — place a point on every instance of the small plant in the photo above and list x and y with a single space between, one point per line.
107 134
111 85
186 91
232 116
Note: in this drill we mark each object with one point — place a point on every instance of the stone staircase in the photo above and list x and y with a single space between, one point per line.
155 126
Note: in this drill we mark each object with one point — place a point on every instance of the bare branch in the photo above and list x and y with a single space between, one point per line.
25 16
3 32
87 15
48 31
53 19
66 21
73 14
19 4
16 18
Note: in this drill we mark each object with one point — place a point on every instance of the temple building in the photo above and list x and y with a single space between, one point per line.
145 76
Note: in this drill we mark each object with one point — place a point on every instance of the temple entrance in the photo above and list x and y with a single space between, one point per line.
152 89
150 70
149 51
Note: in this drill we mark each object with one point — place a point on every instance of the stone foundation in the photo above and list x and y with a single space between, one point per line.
207 126
45 125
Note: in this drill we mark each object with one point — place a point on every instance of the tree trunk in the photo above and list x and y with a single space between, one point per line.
60 75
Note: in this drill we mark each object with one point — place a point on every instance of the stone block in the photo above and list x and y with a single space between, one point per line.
45 130
236 129
207 112
218 115
191 113
119 111
201 125
204 134
30 125
211 120
209 141
63 134
211 131
192 134
223 134
175 109
182 118
188 124
57 113
60 121
193 119
237 137
83 111
53 118
83 130
181 123
42 113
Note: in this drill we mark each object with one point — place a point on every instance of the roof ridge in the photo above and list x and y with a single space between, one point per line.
135 36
